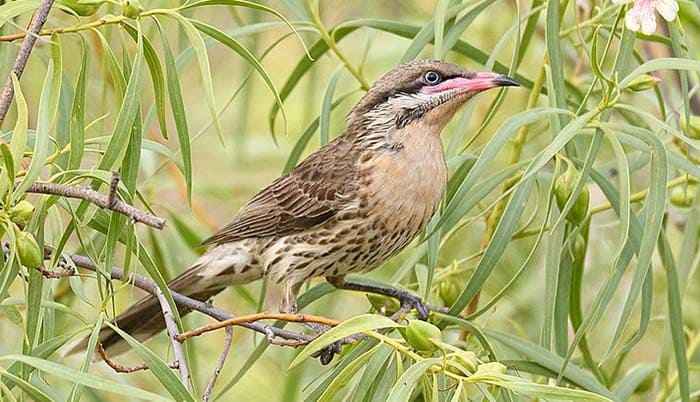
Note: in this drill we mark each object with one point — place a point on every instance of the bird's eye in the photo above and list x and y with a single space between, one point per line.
432 78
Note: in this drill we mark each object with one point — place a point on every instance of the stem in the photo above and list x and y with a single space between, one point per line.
8 92
670 385
72 29
325 35
173 333
639 196
101 200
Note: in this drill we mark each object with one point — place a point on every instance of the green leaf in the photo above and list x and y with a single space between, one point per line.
116 148
440 21
664 63
496 247
177 107
654 210
409 379
675 316
400 29
35 393
556 64
200 51
371 374
242 51
86 379
359 324
77 122
157 79
19 134
455 210
327 106
550 361
534 390
157 367
624 388
89 354
253 5
346 375
41 142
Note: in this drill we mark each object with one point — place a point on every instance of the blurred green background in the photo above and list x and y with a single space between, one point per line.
226 175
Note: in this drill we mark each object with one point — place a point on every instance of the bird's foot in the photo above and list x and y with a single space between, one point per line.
410 301
325 355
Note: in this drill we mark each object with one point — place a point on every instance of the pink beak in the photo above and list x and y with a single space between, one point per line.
479 82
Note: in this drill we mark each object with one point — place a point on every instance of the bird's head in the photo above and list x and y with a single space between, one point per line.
422 91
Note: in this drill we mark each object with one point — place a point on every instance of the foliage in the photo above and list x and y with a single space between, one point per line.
564 271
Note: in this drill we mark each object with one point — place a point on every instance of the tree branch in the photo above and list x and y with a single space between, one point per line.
8 91
246 319
219 365
103 201
120 368
287 338
173 334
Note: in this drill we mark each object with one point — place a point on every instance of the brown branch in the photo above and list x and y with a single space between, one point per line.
228 341
173 334
247 319
120 368
101 200
286 338
8 92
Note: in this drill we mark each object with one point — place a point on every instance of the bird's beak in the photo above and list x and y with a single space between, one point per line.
478 82
487 80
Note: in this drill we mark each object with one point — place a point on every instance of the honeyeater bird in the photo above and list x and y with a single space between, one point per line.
345 209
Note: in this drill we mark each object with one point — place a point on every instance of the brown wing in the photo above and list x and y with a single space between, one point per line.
308 196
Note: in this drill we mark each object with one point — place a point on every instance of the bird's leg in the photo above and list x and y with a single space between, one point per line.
281 295
404 297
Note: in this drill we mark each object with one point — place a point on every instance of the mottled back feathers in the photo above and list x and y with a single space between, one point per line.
311 194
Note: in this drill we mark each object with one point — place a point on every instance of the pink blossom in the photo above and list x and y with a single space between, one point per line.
642 15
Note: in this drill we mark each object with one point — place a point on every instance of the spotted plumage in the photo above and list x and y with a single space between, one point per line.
347 208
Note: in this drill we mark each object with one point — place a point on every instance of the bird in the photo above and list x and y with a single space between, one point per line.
346 208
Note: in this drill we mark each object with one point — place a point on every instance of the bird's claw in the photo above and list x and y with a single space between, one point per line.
326 354
410 301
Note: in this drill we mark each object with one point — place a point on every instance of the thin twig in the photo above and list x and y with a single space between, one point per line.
120 368
8 92
106 20
228 341
247 319
149 286
173 334
101 200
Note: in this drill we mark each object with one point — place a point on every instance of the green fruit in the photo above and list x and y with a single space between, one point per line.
449 292
132 8
81 8
579 249
422 335
683 196
642 83
22 213
564 187
691 126
30 254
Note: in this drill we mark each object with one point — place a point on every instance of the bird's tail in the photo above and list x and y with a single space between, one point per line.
144 318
